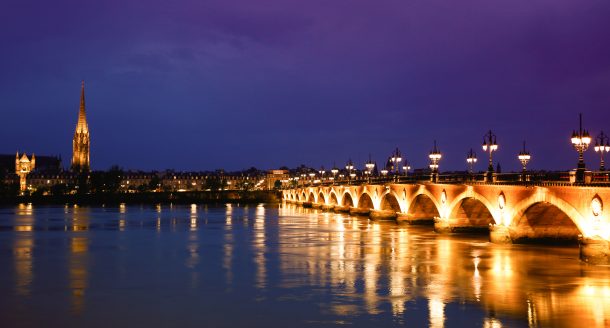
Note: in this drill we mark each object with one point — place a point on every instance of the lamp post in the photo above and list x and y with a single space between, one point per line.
311 176
435 156
369 168
406 167
303 176
384 172
602 146
580 141
349 167
334 171
524 158
490 145
396 158
322 171
471 159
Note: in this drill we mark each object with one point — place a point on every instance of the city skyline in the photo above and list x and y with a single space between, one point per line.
207 86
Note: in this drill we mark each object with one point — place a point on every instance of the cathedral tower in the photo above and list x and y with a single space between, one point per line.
80 144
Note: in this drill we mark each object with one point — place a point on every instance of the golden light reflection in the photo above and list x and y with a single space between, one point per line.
494 323
193 217
193 259
228 216
398 270
476 277
436 309
227 263
77 267
79 219
23 248
373 265
260 247
122 216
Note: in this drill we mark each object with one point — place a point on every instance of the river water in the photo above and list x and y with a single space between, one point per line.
278 266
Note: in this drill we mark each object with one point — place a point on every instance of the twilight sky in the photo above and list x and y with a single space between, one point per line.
198 85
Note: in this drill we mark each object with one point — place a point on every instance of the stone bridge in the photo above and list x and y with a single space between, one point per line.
511 213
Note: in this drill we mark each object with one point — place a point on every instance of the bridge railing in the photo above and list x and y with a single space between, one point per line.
598 179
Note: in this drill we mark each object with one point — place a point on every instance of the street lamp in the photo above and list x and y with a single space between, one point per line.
602 146
349 167
580 141
322 173
384 172
311 176
334 171
471 159
396 159
435 156
406 168
490 145
524 158
369 168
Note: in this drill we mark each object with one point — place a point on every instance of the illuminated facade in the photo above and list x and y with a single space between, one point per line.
23 166
81 142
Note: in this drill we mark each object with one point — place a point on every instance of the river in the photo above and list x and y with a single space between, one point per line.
278 266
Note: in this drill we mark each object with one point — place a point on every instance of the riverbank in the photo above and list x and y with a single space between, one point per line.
209 197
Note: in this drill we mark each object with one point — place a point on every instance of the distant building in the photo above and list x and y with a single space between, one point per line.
23 166
276 175
44 164
81 142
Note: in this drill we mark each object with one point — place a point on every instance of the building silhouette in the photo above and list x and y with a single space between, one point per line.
81 142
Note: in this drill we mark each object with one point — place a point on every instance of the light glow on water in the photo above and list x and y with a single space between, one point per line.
279 266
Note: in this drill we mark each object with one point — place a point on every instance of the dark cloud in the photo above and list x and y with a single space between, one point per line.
208 84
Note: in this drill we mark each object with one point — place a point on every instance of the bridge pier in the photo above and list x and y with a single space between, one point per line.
499 234
442 225
382 215
412 220
594 250
341 209
359 211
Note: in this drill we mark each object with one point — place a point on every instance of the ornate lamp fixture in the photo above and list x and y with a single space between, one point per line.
435 157
580 142
524 157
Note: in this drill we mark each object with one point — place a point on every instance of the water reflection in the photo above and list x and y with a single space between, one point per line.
260 249
227 263
22 251
332 268
77 268
501 280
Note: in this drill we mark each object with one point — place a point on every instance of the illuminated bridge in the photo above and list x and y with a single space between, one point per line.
511 212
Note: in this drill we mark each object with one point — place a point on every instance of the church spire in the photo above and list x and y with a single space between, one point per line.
80 144
82 97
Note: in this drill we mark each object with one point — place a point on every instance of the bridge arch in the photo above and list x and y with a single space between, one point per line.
544 221
312 197
545 217
423 206
332 199
389 201
472 209
347 199
321 198
365 201
303 197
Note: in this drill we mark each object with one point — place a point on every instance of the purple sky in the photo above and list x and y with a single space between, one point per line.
197 85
